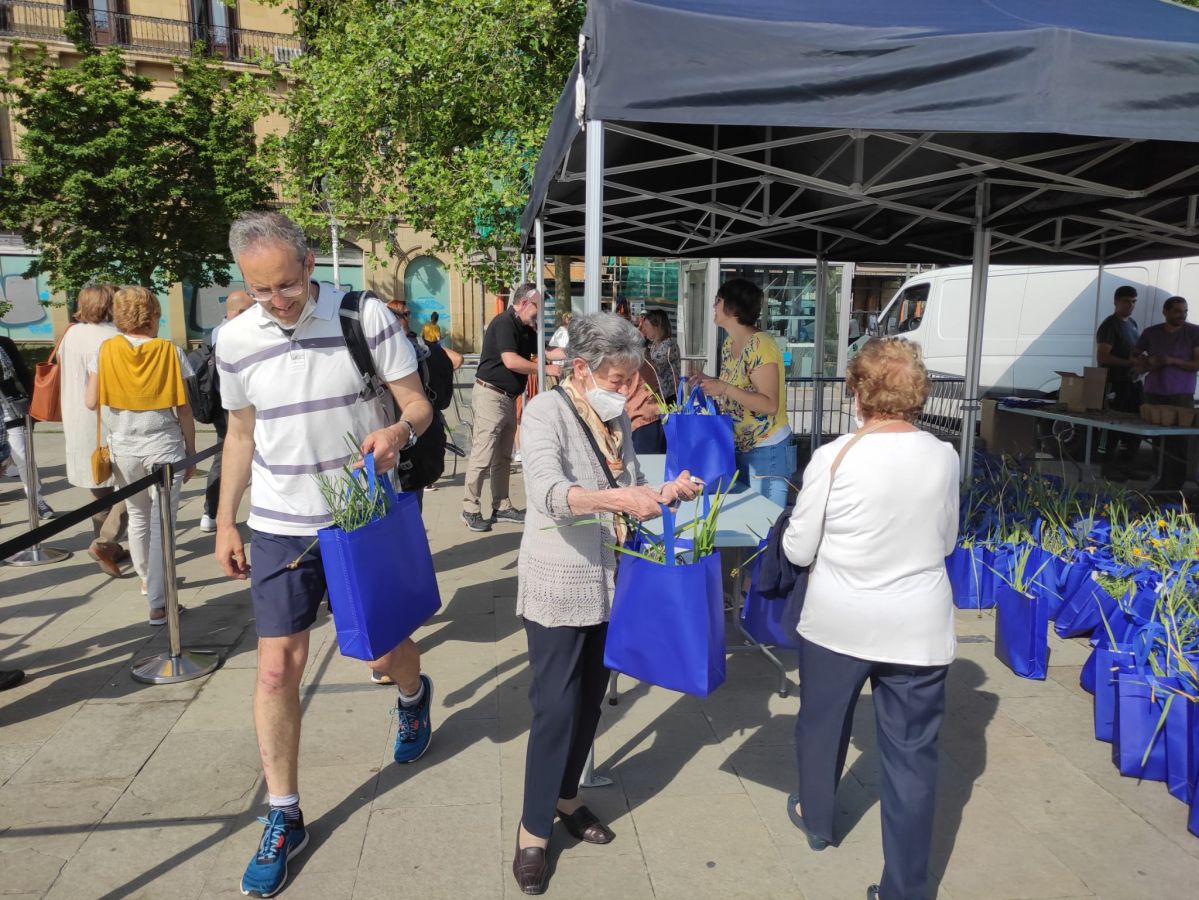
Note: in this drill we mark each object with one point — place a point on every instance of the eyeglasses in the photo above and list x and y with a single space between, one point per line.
289 292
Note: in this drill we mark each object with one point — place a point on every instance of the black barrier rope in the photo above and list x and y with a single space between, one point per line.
63 521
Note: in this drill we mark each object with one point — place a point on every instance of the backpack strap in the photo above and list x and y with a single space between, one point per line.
350 318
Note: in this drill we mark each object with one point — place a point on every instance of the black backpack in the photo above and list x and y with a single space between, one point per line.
424 462
204 387
440 386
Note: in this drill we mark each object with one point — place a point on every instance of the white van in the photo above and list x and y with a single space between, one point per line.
1039 319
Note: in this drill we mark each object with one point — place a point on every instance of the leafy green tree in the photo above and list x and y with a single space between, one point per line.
119 186
426 111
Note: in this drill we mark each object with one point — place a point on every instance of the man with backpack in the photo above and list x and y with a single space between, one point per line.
204 392
292 387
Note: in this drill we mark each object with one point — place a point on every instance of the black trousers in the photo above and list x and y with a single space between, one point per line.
1126 397
212 488
567 693
909 704
649 438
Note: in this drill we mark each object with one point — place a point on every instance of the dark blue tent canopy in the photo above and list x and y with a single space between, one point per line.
861 129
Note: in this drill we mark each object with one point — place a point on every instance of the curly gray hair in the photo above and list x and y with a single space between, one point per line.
259 227
601 338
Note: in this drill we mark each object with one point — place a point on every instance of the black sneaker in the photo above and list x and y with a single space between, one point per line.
476 522
509 516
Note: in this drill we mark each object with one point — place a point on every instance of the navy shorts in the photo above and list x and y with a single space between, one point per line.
286 600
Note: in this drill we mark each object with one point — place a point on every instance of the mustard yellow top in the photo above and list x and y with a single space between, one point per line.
144 377
751 428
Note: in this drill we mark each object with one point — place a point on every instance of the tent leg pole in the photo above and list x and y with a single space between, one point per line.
539 274
818 352
974 344
593 222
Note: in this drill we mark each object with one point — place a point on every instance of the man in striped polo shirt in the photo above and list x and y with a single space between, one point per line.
293 393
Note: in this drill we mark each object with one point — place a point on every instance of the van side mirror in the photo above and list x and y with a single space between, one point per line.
872 325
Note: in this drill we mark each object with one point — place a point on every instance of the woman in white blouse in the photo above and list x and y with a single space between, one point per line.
878 608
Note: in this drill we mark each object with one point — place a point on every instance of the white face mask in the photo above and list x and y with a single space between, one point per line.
857 418
608 405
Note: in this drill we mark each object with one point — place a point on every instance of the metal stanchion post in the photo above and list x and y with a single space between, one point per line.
37 555
589 779
176 664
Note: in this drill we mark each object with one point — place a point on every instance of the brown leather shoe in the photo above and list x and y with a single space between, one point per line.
106 558
583 825
530 868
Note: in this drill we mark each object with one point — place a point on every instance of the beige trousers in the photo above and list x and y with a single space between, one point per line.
492 436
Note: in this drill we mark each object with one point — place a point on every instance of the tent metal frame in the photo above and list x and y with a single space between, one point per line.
1106 224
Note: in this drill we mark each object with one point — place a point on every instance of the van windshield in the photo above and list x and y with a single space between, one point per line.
907 309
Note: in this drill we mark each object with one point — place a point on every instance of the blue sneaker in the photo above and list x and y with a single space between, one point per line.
415 727
267 872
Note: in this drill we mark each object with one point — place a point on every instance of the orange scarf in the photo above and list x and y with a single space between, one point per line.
144 377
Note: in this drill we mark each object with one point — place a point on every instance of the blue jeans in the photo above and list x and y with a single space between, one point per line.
773 459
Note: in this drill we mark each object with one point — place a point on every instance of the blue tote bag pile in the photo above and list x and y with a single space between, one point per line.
1021 631
381 581
667 623
699 440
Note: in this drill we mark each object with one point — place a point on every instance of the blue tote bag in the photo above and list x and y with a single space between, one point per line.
1021 631
1084 610
1109 661
965 568
381 581
772 621
699 440
1141 701
667 622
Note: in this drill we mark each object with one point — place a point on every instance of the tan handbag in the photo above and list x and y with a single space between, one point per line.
101 457
46 403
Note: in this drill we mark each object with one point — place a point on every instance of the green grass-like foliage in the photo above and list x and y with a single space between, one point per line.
348 495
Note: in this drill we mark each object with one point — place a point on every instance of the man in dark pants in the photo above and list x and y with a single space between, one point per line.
235 304
1114 341
909 704
1170 351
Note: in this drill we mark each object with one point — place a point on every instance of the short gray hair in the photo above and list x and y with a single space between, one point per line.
259 227
601 338
522 293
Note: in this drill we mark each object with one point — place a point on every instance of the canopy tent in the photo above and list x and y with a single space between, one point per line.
932 130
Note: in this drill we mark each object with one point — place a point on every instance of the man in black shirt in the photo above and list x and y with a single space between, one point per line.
505 364
1115 339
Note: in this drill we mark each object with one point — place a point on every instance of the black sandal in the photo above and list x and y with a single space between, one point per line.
583 825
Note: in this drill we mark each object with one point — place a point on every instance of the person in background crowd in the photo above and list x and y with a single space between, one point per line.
136 380
505 364
16 388
566 576
663 351
292 392
1114 342
431 333
1169 352
645 416
621 307
93 326
235 304
877 609
752 390
9 678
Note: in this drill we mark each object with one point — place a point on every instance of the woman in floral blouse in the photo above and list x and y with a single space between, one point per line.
663 351
751 389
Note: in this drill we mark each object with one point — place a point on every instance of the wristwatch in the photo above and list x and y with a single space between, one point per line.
412 435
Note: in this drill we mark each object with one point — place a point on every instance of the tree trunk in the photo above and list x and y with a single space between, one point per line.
561 286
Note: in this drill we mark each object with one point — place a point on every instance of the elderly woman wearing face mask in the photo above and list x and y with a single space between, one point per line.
583 484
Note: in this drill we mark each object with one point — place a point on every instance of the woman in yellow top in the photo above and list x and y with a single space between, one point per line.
431 333
135 382
752 390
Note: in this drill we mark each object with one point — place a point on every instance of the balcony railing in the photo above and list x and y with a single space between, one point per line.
148 34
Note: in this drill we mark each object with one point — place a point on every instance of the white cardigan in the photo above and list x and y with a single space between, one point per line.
878 590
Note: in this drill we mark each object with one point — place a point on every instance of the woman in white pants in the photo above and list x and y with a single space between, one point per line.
136 380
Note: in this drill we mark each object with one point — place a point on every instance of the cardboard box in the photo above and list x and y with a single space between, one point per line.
1082 392
1009 433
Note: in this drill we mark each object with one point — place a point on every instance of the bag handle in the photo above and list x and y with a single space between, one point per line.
599 454
668 534
58 343
374 481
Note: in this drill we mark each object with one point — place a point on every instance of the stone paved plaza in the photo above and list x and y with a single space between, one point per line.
110 788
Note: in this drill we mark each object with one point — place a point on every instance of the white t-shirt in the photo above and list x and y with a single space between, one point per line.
878 590
152 435
305 391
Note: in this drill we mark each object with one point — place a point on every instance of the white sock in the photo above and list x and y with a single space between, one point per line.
413 700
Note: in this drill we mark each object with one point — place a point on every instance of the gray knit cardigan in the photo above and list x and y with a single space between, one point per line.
566 576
